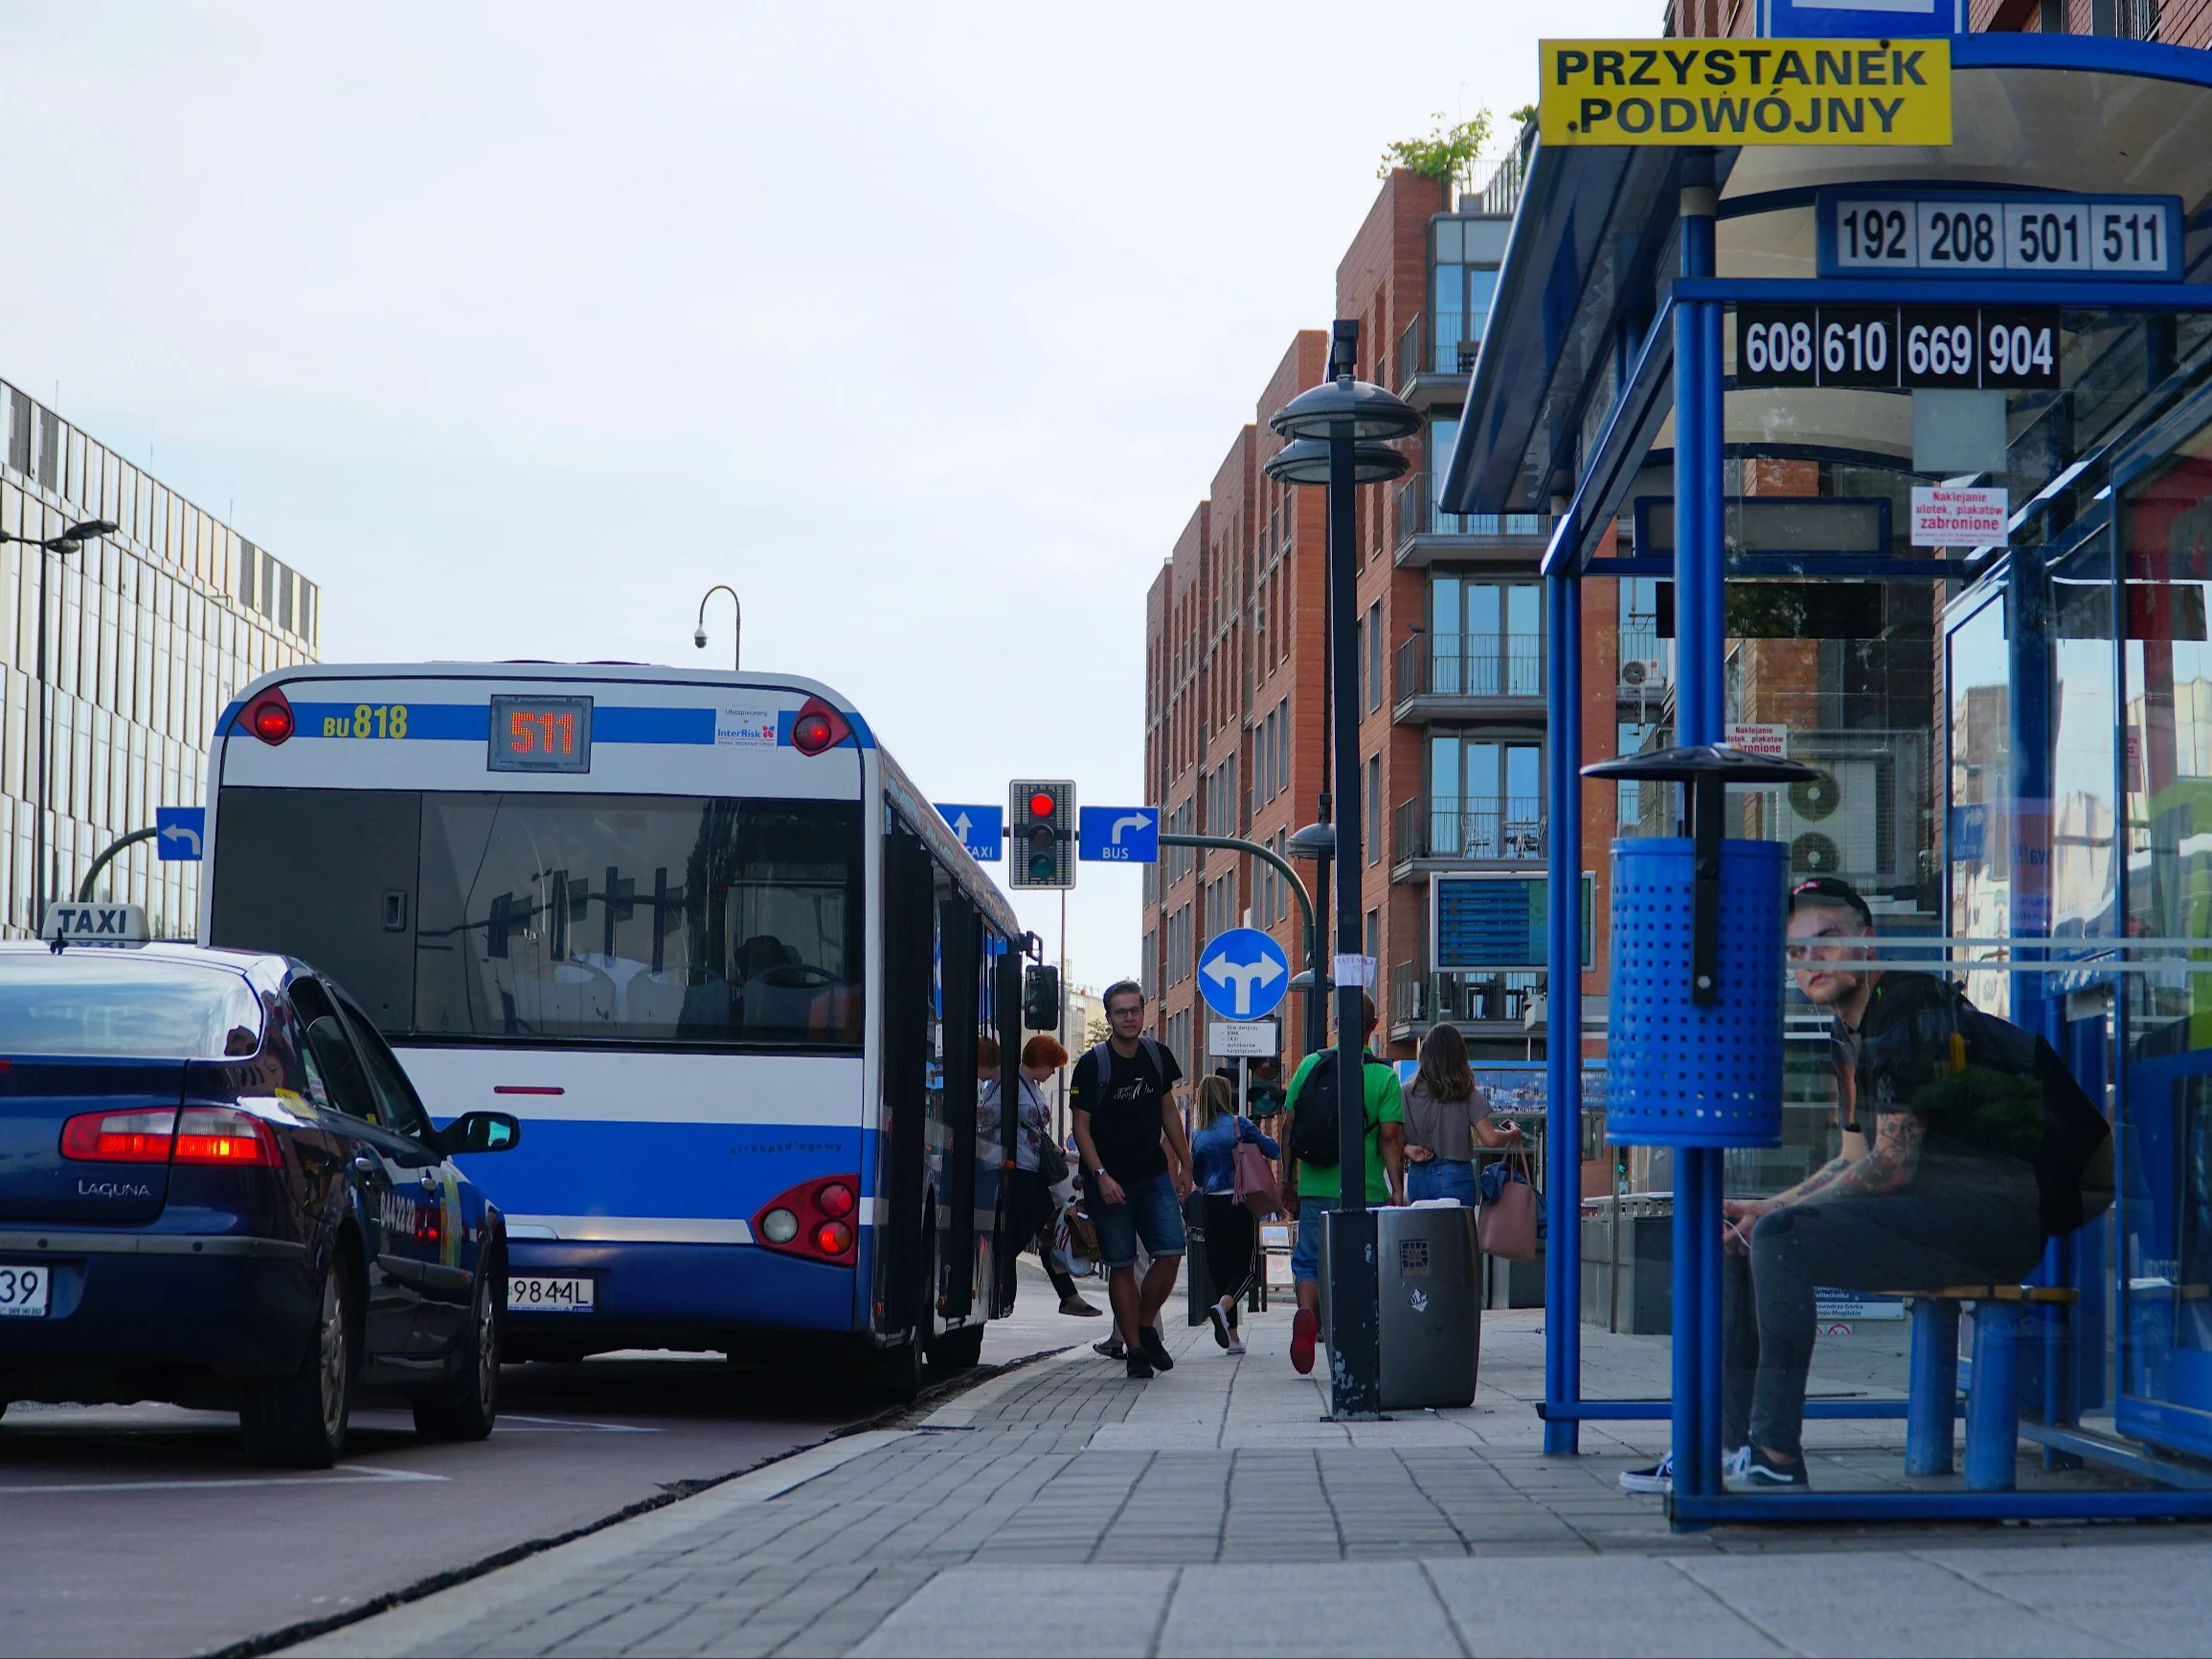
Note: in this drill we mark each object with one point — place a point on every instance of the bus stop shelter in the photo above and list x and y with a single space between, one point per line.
1775 394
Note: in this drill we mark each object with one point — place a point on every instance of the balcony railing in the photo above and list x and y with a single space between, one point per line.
1468 827
1419 997
1442 666
1438 346
1418 515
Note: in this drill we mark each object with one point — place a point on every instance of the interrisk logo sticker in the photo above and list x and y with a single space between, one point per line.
1697 92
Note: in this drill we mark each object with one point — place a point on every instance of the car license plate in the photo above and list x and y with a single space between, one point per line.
532 1295
23 1291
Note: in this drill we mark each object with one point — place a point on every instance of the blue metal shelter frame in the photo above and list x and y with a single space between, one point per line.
1680 350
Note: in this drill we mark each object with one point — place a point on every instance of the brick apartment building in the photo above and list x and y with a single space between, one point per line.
1451 664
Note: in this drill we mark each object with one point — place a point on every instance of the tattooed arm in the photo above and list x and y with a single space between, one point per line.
1891 1160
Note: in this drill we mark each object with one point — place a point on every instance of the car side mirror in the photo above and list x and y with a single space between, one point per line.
479 1132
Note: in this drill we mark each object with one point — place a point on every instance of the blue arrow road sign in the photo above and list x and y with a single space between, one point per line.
179 831
1861 19
1243 974
1118 835
981 829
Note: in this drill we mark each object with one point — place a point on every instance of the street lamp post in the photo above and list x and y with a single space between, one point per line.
737 627
68 542
1317 842
1340 434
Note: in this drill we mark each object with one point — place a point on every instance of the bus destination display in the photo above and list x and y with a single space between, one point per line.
2133 238
1967 348
540 734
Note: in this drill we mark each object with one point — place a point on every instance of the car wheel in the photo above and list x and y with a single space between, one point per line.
298 1420
469 1409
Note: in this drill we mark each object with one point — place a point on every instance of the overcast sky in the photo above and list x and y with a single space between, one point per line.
517 327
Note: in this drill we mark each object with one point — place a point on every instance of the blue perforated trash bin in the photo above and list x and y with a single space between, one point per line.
1678 1074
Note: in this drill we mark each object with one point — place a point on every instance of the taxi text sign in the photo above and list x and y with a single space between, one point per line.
1699 92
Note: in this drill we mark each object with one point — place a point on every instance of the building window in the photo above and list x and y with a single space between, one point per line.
1372 667
1374 808
1462 309
1485 796
1485 638
1628 814
1646 653
1375 936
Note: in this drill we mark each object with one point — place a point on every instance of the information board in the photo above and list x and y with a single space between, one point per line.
1964 347
1961 234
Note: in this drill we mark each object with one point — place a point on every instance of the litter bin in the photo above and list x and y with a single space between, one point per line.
1432 1305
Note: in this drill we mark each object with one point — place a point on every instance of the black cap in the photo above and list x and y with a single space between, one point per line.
1829 890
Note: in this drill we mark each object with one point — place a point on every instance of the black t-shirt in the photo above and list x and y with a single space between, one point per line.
1125 1121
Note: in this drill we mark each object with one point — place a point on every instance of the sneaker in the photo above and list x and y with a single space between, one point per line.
1305 1326
1221 1336
1235 1348
1155 1350
1109 1349
1658 1478
1750 1470
1075 1307
1140 1368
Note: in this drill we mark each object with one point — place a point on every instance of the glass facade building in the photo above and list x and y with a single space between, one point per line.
149 634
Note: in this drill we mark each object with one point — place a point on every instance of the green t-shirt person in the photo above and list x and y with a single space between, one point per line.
1385 1103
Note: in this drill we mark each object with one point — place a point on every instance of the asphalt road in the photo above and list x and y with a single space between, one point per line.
145 1530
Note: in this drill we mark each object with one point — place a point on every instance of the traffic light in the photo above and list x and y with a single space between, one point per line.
1041 999
1041 824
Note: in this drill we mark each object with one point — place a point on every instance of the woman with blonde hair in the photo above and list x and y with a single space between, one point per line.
1446 1115
1230 1235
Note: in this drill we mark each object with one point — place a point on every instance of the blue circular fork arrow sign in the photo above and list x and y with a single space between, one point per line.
1243 974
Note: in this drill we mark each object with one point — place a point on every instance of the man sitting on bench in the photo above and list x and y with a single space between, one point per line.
1936 1185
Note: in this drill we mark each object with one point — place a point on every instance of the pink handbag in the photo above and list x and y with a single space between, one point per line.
1253 1179
1506 1224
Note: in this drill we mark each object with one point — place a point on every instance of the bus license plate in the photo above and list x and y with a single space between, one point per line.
532 1294
23 1291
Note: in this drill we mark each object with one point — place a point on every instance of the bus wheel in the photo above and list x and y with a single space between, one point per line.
896 1374
957 1349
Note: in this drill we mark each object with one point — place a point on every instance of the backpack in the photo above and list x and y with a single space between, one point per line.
1312 1136
1924 1045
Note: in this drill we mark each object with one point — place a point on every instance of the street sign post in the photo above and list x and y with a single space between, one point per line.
1243 974
981 828
1118 835
180 832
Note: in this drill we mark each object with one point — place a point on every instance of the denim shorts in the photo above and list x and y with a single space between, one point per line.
1441 1179
1306 1253
1153 1213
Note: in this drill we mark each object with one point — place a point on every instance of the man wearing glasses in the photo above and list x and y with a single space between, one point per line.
1934 1185
1136 1171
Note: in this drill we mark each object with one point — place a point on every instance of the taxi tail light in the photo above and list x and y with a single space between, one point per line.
218 1135
269 716
818 726
119 1137
826 1229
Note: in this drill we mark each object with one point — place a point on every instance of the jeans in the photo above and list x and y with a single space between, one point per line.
1961 1221
1152 1213
1306 1253
1028 1212
1441 1179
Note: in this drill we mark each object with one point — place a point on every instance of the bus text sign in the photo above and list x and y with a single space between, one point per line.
1736 92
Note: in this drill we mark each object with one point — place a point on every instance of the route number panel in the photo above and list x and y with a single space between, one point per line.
1969 347
2132 237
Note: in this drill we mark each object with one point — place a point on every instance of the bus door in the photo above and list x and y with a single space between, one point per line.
1006 1020
961 941
901 1252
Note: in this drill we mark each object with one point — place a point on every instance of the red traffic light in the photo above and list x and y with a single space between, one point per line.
1041 805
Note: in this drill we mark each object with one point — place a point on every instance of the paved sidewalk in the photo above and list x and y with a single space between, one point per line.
1063 1509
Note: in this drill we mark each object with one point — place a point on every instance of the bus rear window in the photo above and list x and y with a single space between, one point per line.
653 919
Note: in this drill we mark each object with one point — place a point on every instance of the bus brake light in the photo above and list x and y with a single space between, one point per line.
814 1219
269 716
818 727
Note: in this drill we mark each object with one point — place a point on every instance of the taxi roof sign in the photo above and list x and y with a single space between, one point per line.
1737 92
69 923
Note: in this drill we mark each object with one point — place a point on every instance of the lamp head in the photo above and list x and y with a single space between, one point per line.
699 637
1317 841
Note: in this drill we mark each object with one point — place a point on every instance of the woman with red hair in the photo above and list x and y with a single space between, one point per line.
1030 1208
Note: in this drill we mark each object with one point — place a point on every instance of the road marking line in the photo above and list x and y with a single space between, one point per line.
556 1423
355 1475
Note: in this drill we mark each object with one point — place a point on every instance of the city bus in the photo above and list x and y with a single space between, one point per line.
704 938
